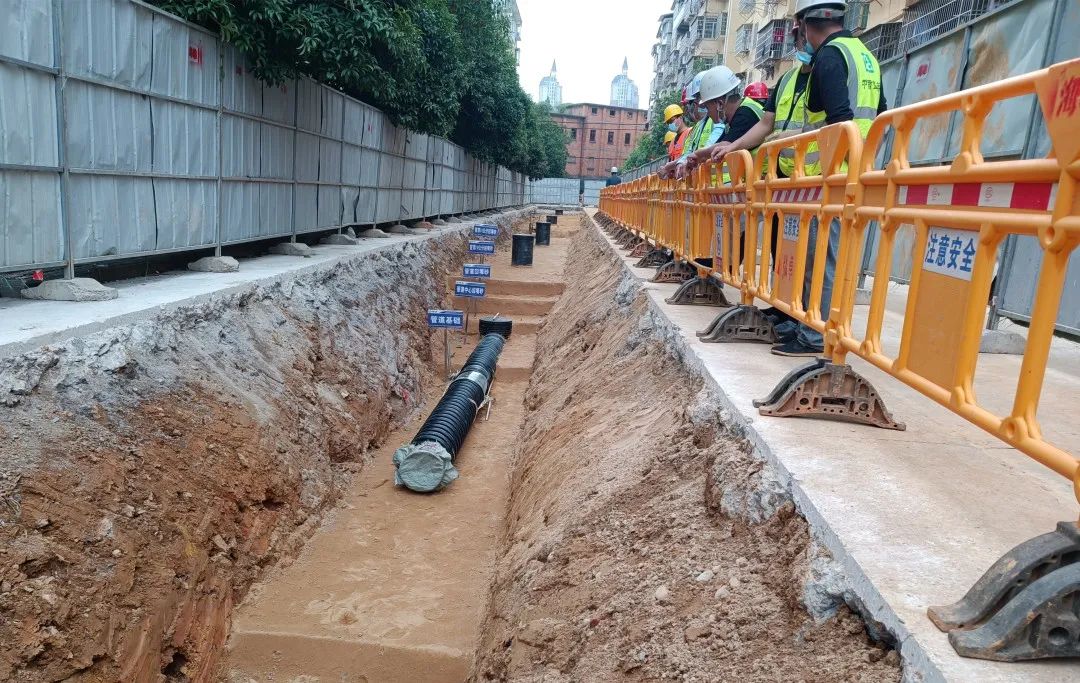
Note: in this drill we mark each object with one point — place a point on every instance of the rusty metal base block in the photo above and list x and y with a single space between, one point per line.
643 247
823 389
632 243
740 324
675 272
1026 606
700 291
627 240
654 259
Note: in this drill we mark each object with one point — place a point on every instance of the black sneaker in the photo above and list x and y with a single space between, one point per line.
786 337
796 348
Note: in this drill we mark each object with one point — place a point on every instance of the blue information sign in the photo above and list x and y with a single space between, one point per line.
485 230
481 247
450 320
476 270
470 289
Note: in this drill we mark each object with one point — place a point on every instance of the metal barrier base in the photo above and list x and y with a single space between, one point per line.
654 259
823 389
1026 606
629 240
643 247
700 291
740 324
674 272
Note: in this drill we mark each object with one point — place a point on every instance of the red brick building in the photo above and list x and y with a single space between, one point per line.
599 137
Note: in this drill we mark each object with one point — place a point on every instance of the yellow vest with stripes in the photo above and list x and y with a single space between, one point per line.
790 113
759 111
864 93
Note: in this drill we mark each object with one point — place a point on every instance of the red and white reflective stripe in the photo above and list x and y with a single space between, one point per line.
1034 196
728 198
799 194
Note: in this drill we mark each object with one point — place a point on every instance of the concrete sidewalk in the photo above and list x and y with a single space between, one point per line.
28 324
914 517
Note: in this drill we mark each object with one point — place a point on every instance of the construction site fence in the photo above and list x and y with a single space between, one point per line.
566 191
125 131
958 215
951 45
645 169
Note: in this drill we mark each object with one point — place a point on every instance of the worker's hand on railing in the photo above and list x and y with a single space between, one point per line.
681 170
720 150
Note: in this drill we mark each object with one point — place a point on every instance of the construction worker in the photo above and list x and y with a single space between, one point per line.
722 98
669 143
698 135
673 117
614 178
783 115
757 91
844 85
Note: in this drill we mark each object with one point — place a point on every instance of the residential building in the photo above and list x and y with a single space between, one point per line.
624 92
550 90
599 137
508 10
690 38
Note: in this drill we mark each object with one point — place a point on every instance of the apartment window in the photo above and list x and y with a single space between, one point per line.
592 136
626 140
707 28
611 137
594 110
629 114
611 112
573 133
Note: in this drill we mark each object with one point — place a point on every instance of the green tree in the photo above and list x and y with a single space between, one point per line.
651 145
444 67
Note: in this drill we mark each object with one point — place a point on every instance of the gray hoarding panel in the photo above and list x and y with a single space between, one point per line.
1066 48
26 31
1006 44
275 152
350 197
108 39
275 208
1018 296
333 109
278 102
329 161
253 210
186 212
932 71
374 122
30 219
185 139
111 215
365 205
307 208
307 157
388 205
186 64
240 92
27 117
368 166
329 212
241 147
310 102
354 120
107 129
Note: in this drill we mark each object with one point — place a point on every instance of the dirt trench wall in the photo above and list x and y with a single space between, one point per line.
150 472
644 540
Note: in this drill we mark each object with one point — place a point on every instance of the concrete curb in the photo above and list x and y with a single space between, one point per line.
874 608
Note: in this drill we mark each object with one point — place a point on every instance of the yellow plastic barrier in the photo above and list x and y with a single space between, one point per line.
960 214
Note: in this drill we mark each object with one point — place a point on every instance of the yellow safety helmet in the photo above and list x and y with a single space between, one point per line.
669 137
671 112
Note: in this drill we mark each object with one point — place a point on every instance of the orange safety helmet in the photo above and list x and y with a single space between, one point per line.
757 91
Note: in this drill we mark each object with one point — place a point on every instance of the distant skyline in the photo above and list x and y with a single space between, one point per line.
588 39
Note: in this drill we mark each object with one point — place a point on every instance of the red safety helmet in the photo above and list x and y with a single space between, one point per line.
757 91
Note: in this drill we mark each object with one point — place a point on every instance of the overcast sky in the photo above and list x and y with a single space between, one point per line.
588 39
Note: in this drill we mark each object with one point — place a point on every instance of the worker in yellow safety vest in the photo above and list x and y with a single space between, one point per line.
698 135
739 111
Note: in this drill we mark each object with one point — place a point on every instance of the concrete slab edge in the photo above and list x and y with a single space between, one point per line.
301 269
918 667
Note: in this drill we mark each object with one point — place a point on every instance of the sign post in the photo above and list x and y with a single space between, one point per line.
446 320
470 290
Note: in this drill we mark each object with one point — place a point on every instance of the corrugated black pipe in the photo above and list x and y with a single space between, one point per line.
427 464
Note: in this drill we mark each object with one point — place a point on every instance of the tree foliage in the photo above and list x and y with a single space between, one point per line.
651 144
444 67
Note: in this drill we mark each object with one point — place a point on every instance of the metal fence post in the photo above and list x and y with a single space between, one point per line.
221 47
61 139
295 135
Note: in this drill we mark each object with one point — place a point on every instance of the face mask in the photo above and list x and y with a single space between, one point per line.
805 55
673 128
702 112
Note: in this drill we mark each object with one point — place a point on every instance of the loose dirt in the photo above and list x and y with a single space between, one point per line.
618 563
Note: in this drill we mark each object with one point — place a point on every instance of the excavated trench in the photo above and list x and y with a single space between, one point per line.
209 496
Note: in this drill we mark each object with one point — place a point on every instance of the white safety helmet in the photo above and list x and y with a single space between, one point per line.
614 169
717 82
694 89
820 9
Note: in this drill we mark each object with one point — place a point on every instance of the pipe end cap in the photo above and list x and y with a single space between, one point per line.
424 467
